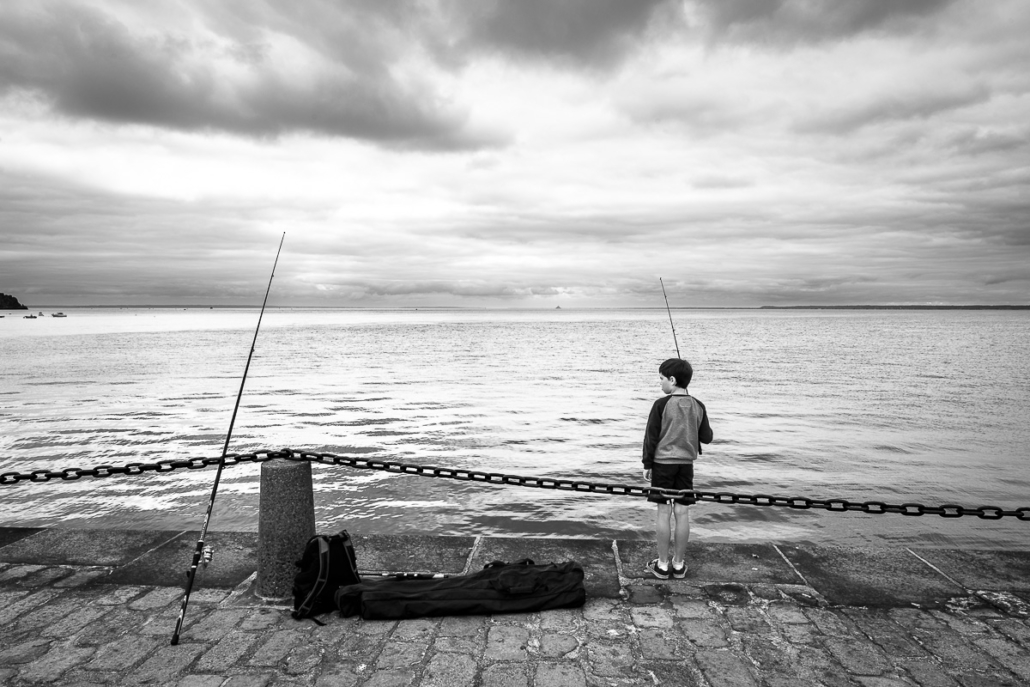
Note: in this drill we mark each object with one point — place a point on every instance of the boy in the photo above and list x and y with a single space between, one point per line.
676 428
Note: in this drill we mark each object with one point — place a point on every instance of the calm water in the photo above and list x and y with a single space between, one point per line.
897 406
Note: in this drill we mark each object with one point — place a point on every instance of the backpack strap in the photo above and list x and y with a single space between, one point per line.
323 577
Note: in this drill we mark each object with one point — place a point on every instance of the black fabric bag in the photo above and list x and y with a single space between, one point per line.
520 587
327 564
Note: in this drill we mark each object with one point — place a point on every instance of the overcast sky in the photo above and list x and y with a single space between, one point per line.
515 153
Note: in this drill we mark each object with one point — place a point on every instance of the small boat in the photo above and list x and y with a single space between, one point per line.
58 314
29 317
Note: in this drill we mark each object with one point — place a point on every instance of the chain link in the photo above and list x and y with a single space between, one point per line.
798 502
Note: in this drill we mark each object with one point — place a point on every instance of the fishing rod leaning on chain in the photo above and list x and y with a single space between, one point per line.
669 310
201 549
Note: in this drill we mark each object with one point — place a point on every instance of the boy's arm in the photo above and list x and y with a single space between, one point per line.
704 432
653 433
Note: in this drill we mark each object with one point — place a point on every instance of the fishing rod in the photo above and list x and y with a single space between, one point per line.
669 310
201 549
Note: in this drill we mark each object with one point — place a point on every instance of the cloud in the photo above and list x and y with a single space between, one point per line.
258 80
902 103
591 33
791 22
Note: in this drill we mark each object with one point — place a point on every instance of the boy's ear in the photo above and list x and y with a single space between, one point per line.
673 380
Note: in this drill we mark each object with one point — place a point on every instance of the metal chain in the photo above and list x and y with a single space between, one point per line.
798 502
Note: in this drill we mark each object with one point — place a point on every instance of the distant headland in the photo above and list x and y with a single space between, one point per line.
895 307
11 303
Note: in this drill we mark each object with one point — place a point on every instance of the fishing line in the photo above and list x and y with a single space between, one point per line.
202 550
669 310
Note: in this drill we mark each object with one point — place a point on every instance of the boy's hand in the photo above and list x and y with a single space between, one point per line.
647 475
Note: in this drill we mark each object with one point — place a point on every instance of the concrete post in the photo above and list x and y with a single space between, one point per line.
285 523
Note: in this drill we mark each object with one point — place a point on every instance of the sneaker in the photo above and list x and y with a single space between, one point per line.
679 573
656 570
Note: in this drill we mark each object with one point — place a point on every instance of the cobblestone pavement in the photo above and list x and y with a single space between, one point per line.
59 626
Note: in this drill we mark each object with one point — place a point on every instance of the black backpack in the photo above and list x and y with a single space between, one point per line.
519 587
328 563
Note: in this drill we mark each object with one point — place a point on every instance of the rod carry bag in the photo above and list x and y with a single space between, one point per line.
327 564
519 587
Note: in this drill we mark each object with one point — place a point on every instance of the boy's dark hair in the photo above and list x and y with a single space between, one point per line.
680 369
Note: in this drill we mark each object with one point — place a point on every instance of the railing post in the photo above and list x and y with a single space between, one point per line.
285 523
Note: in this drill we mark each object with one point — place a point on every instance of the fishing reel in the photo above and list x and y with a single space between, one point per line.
206 555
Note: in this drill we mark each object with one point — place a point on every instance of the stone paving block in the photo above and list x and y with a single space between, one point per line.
15 573
415 630
646 594
401 655
505 675
961 623
771 656
1007 653
662 645
786 613
651 617
829 622
728 594
449 671
302 660
166 664
26 604
928 673
391 678
52 665
610 659
562 620
693 608
40 617
81 618
559 675
888 635
252 680
816 666
158 597
724 669
858 657
553 645
1014 630
46 577
459 645
83 576
122 654
338 675
201 681
672 673
276 647
216 624
506 643
227 651
747 619
25 652
462 626
703 633
952 649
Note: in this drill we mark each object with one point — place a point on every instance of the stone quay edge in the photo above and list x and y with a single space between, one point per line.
98 607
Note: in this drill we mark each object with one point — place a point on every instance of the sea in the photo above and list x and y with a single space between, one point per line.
893 406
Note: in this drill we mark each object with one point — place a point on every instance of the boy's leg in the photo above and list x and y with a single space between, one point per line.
663 530
682 534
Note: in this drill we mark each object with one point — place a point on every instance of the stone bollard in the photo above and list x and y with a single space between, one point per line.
285 523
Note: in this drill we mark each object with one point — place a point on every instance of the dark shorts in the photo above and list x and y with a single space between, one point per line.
673 476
